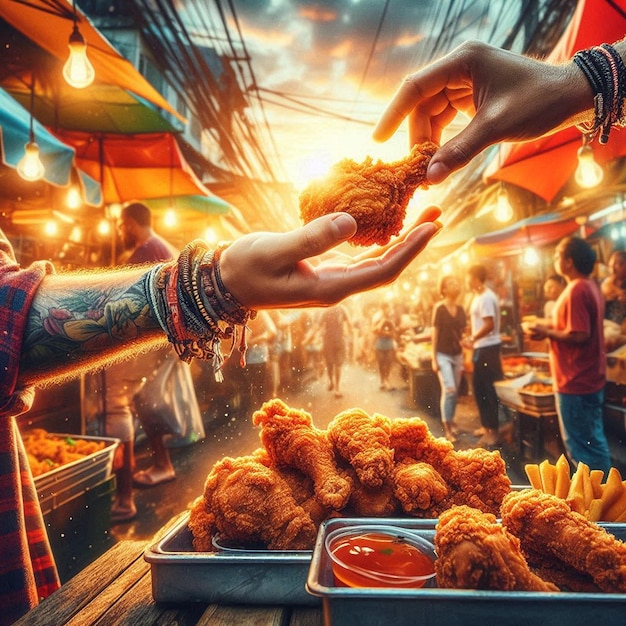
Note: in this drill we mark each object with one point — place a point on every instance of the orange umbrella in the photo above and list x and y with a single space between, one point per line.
545 165
134 167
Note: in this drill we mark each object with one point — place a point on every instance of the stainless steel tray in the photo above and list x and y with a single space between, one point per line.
60 485
180 574
345 606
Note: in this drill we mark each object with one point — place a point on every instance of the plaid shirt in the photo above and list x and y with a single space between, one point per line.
27 570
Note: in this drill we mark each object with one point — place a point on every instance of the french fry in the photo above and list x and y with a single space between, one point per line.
594 514
611 491
548 476
534 477
595 478
576 502
587 490
617 508
576 484
563 479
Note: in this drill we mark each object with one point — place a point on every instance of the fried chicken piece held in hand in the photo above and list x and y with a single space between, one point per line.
475 552
375 194
292 440
363 441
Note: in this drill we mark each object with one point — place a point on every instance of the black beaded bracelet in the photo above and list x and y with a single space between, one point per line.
604 69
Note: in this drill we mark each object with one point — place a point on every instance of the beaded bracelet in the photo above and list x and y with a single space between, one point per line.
604 69
193 307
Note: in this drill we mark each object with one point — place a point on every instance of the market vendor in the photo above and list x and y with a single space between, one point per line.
54 326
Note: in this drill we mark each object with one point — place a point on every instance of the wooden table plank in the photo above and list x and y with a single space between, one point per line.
79 591
225 615
306 616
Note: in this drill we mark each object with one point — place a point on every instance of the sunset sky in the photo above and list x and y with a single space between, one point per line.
333 66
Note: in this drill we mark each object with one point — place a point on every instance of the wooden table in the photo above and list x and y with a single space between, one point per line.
117 589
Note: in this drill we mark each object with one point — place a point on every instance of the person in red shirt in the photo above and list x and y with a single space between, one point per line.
577 356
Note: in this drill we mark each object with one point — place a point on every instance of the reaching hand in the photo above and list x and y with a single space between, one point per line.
507 97
283 270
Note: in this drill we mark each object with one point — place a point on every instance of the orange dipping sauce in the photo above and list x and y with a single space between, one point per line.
375 558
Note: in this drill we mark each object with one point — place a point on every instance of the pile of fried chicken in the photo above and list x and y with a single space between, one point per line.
373 466
375 193
361 465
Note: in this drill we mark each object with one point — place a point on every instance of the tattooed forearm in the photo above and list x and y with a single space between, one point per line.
82 321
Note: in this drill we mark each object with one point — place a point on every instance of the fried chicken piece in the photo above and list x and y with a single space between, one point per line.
292 440
475 552
419 489
476 477
550 531
411 439
375 194
363 441
249 503
368 502
202 525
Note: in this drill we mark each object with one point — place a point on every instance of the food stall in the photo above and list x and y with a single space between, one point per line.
527 394
415 356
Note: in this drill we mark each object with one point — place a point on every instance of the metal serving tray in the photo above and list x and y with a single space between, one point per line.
180 574
345 606
60 485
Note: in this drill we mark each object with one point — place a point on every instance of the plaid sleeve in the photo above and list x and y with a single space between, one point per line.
27 569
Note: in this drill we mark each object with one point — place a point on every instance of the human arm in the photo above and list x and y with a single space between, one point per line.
507 96
82 321
545 331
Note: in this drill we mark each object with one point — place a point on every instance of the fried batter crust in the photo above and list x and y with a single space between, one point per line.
376 194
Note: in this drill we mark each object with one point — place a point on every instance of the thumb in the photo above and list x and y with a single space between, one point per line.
459 151
318 236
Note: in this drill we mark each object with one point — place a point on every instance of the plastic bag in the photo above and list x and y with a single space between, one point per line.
167 403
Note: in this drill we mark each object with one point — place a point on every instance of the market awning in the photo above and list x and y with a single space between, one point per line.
49 23
97 108
134 167
539 231
57 157
545 165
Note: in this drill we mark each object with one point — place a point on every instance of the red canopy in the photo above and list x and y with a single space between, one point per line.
134 167
545 165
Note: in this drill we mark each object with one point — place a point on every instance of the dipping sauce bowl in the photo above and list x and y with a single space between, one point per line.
380 556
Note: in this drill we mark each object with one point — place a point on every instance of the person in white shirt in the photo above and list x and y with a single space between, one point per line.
486 343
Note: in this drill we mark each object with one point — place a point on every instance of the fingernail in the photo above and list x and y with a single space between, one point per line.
345 225
437 172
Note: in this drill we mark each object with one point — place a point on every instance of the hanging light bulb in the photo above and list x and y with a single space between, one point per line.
530 256
169 218
73 199
30 166
78 70
503 210
588 173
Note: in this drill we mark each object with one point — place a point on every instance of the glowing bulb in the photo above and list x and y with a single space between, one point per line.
104 227
531 257
210 235
30 166
503 211
51 228
169 219
73 199
78 70
588 173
